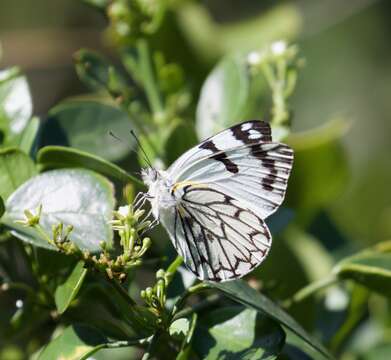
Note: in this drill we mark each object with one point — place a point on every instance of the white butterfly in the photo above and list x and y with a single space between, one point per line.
213 200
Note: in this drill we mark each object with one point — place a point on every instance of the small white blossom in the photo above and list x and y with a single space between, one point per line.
278 47
254 58
124 210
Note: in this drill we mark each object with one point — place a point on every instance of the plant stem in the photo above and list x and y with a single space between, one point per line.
149 82
43 233
191 291
310 289
171 270
209 301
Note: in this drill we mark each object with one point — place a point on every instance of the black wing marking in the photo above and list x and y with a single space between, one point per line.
220 240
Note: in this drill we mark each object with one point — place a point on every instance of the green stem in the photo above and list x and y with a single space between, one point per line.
149 82
310 289
171 270
208 302
190 291
43 233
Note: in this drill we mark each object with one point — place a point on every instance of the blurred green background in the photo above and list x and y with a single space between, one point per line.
347 74
344 85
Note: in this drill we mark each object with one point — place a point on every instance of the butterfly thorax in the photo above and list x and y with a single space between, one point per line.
159 190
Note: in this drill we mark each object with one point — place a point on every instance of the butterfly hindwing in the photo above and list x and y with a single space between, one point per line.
218 238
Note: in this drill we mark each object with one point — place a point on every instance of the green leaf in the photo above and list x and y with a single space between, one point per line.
223 97
15 102
237 333
52 157
75 343
181 138
179 328
212 40
318 153
296 348
86 125
67 291
369 268
29 135
97 73
76 197
186 346
116 318
15 168
2 207
241 292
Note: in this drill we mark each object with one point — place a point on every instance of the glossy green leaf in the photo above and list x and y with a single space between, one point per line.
179 327
15 168
86 125
15 102
369 268
223 97
54 157
296 348
67 291
123 353
2 207
76 197
241 292
182 138
75 343
237 333
186 347
29 135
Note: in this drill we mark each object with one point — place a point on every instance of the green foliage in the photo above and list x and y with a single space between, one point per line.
76 342
67 291
237 333
75 197
78 123
15 168
85 280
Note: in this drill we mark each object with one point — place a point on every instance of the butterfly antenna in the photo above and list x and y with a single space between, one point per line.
121 141
146 158
132 150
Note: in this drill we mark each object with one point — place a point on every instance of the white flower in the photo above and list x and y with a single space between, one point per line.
278 47
124 210
254 58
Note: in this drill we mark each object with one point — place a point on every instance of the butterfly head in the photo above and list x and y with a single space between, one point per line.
158 189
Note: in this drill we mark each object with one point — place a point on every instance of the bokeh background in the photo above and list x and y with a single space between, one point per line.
345 79
347 74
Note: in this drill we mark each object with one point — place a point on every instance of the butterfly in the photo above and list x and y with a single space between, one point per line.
214 198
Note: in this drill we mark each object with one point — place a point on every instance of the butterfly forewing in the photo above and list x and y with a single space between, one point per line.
242 161
218 238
